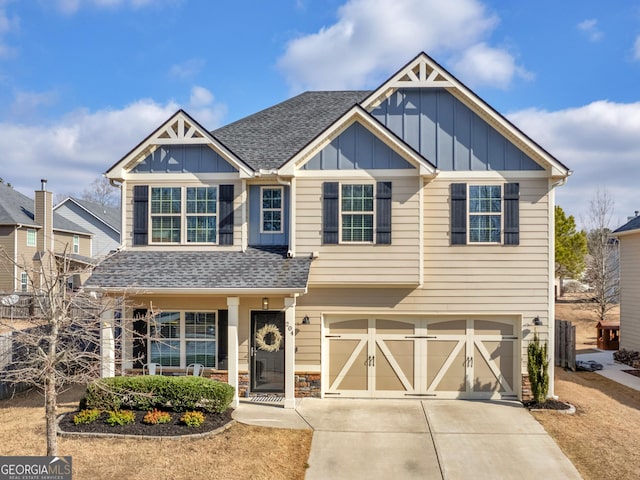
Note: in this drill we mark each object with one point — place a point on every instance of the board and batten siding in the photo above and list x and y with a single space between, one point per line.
127 232
504 280
630 291
361 263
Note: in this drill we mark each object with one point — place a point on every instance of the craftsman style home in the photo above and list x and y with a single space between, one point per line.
391 243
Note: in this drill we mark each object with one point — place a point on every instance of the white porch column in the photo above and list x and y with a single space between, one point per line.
289 352
233 304
107 345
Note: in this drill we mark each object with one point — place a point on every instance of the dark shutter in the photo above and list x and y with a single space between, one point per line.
512 214
222 339
139 337
225 211
458 213
383 219
140 215
330 213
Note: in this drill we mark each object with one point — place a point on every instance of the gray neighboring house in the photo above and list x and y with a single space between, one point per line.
102 221
629 237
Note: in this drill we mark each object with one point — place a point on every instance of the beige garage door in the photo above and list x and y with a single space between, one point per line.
400 358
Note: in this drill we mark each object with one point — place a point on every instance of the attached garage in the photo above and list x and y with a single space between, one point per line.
387 357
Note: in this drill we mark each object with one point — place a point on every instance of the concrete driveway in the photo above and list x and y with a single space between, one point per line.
430 439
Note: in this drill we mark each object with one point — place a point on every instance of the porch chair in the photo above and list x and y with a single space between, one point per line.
195 369
152 369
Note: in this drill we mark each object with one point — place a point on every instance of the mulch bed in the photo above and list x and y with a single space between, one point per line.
549 404
212 421
635 373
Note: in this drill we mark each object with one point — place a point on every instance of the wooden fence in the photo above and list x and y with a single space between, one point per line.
565 348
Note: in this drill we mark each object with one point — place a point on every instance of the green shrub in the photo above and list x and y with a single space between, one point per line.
156 417
147 392
121 417
86 416
193 419
537 366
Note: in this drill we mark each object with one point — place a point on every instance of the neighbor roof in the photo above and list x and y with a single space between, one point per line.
633 224
268 139
256 268
17 209
107 215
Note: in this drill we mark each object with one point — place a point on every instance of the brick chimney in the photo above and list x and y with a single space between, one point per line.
44 217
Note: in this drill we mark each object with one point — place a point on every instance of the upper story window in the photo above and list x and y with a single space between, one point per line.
485 213
183 214
31 237
271 208
76 244
357 212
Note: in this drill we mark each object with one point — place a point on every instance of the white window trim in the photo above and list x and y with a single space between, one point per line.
183 215
281 210
501 213
76 244
340 212
31 233
183 339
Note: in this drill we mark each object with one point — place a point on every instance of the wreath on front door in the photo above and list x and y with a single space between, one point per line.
261 338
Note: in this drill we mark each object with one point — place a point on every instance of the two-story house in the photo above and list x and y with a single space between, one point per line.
102 221
390 243
28 228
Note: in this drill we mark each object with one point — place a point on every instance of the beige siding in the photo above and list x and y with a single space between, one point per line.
461 279
359 264
630 291
237 214
63 242
7 240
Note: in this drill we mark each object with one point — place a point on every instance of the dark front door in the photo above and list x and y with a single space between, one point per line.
267 352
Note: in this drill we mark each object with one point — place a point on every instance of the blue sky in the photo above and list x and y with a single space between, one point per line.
83 81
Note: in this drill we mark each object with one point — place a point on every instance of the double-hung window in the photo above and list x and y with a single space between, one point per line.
178 339
357 212
31 237
24 281
76 244
485 213
184 214
271 209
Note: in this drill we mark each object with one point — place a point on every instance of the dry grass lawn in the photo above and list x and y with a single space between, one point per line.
243 451
602 438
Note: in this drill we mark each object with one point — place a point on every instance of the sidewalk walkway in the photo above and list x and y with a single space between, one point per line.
612 370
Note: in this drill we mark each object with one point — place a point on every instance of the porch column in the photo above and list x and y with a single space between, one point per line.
289 352
233 304
107 345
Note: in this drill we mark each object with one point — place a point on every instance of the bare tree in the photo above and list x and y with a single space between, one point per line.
58 344
603 269
101 192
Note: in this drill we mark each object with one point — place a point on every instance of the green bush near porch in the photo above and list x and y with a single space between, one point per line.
147 392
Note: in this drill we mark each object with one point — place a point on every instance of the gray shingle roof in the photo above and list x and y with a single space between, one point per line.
108 215
269 138
632 224
17 209
257 268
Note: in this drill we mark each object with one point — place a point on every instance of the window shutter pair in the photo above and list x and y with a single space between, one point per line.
511 202
141 215
331 213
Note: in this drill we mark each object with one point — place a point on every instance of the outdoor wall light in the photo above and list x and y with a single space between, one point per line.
305 320
537 321
265 303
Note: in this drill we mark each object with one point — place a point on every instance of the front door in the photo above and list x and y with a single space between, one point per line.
267 352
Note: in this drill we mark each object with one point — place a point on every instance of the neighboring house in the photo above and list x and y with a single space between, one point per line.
102 221
629 251
30 227
389 243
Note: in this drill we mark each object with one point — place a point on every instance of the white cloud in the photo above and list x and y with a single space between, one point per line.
590 27
187 69
81 145
484 65
370 35
599 142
